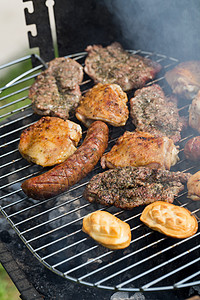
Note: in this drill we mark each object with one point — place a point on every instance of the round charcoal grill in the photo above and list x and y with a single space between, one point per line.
51 229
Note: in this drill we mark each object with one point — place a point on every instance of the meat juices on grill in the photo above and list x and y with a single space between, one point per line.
129 187
113 64
152 112
56 91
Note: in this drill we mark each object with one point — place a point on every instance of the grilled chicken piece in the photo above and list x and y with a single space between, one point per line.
193 186
194 113
129 187
152 112
141 149
56 91
49 141
184 79
103 102
113 64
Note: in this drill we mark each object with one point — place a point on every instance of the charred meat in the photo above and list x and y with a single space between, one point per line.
56 91
113 64
152 112
129 187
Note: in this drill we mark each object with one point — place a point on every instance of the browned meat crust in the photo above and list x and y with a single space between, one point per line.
76 167
152 112
184 79
129 187
113 64
56 91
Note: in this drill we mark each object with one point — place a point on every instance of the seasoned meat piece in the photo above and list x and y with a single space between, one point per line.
56 91
129 187
194 113
113 64
141 149
184 79
104 102
60 178
49 141
151 112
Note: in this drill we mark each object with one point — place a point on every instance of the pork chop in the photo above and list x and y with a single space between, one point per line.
113 64
56 91
152 112
129 187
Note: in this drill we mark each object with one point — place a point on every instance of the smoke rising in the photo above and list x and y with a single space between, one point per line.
170 27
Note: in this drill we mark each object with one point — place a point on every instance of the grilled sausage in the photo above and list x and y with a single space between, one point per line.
76 167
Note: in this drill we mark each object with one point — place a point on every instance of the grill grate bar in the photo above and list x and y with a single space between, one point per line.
15 130
140 262
124 257
15 111
54 219
14 102
174 271
12 122
51 239
160 265
14 94
8 164
79 254
187 279
45 211
15 171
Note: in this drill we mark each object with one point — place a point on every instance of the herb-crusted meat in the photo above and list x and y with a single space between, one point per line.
113 64
129 187
152 112
56 91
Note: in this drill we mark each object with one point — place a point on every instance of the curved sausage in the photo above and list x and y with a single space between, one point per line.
77 166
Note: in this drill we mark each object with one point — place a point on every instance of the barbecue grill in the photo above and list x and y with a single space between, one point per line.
51 229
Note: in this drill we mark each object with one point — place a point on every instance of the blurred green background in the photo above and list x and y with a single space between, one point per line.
8 290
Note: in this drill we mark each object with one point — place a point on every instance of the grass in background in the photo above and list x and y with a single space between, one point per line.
11 97
8 291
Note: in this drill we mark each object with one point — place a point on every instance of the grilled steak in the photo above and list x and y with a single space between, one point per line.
113 64
129 187
152 112
56 91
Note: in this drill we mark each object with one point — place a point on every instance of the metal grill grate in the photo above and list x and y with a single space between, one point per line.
51 229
